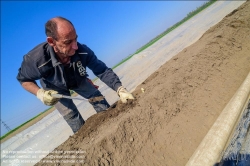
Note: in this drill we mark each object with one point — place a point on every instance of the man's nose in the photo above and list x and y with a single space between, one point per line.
74 45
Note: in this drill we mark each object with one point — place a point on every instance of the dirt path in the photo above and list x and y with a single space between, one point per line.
182 99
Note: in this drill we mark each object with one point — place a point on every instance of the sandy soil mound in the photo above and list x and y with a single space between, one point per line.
182 99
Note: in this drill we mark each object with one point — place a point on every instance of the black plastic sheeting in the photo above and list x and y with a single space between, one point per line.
237 152
235 160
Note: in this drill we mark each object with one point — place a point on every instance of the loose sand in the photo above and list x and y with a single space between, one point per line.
164 125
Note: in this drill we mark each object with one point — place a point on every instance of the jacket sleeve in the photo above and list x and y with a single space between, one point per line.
99 68
110 78
28 72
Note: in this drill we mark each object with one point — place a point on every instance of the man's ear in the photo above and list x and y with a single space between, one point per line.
50 40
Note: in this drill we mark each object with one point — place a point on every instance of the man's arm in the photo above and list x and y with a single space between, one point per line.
107 75
31 87
45 96
100 69
27 74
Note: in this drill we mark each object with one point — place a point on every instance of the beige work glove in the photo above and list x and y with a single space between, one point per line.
124 94
46 98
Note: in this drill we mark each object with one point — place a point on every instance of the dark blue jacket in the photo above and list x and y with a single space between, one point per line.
41 63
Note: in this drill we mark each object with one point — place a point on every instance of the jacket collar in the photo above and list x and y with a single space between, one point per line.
55 61
52 53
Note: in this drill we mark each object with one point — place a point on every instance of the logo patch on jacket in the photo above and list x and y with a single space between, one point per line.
81 69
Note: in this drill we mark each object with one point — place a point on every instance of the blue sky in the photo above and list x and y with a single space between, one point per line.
112 29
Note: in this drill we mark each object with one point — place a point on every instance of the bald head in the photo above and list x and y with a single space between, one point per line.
61 35
55 25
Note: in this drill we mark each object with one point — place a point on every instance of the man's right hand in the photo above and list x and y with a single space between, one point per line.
46 96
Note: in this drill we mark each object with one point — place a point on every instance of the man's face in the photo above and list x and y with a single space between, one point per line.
66 43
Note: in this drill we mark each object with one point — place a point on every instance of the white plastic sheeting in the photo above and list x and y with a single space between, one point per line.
41 138
210 149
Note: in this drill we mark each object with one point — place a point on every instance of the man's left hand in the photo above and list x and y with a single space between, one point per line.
124 94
